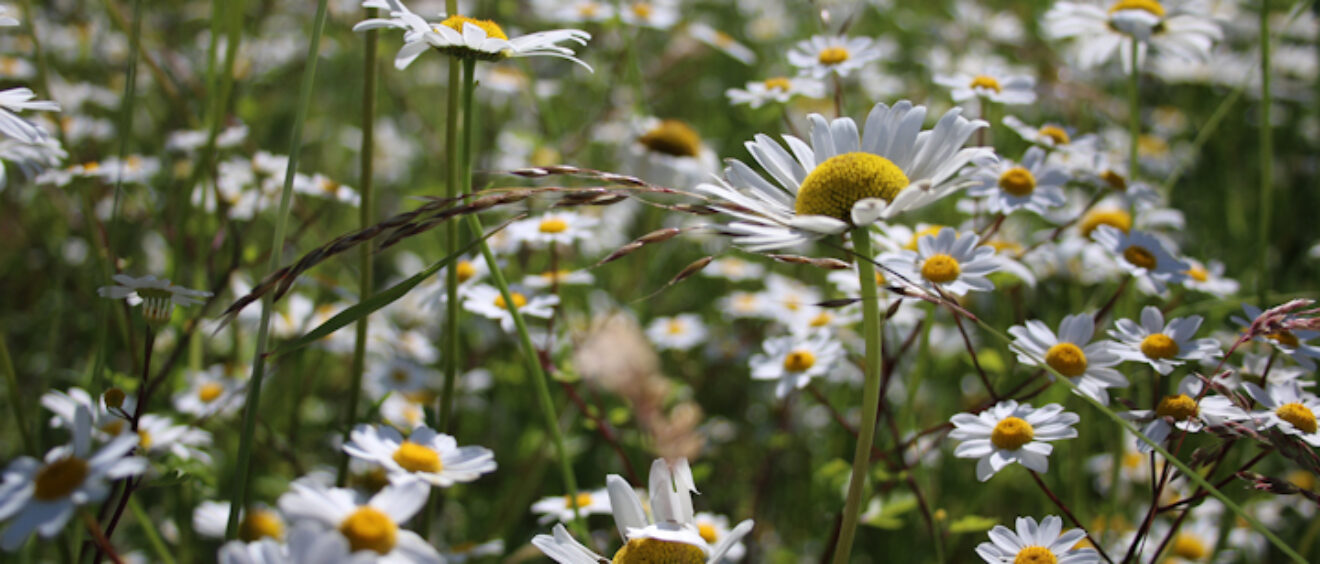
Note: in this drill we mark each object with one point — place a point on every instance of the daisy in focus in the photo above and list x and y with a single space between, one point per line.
1287 408
1162 346
951 261
1033 184
434 458
1008 433
778 89
793 360
1032 544
1102 28
1071 353
366 525
823 55
1184 412
157 297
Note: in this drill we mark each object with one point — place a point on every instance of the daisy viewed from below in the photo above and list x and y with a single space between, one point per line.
1036 544
465 37
487 301
1102 28
1163 346
950 261
157 297
1008 433
793 360
373 526
596 502
778 89
843 179
1287 408
1071 353
822 55
434 458
1033 184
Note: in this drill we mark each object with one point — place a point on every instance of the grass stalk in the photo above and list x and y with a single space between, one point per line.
1134 111
1266 207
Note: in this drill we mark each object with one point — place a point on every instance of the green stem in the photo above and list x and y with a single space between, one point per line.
453 179
1266 160
870 394
16 398
1134 112
238 499
149 529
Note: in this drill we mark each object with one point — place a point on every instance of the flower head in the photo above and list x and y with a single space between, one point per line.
1162 345
793 360
1033 184
370 526
157 297
951 261
1008 433
1286 407
1103 28
823 55
1036 544
434 458
1071 353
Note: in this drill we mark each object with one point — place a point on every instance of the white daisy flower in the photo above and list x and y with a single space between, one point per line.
1163 346
822 55
210 393
211 518
550 278
669 152
995 85
42 495
488 302
1143 255
158 435
1209 278
740 305
15 100
1032 543
574 11
778 89
1034 185
1051 136
1102 28
6 20
1184 412
370 526
434 458
721 41
397 375
404 411
1287 408
466 37
557 508
733 269
1291 343
843 178
1008 433
307 542
1071 353
463 552
560 227
655 14
157 296
951 261
107 422
793 360
713 528
680 332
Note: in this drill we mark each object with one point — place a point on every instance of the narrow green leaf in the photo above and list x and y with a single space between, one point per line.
973 524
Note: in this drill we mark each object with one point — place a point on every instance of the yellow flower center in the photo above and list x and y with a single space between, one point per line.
583 500
1149 6
465 271
933 231
821 319
113 427
1179 407
519 301
799 361
417 458
553 225
1285 338
672 137
1198 274
656 551
91 166
588 9
1012 433
1158 346
778 83
1115 218
1056 134
1189 547
987 82
1017 181
1035 555
1299 415
491 28
707 532
1067 359
1140 256
674 327
210 392
1302 479
833 55
642 10
369 529
144 439
260 524
1114 180
58 479
836 184
941 268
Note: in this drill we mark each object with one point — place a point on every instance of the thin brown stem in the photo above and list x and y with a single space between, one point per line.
1064 508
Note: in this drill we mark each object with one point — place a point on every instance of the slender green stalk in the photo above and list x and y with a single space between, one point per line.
238 500
149 529
16 398
453 179
1266 161
1134 112
852 508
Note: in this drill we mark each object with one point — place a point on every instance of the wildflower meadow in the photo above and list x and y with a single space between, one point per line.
674 281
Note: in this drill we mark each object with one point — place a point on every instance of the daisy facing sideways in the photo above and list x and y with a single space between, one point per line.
157 297
1008 433
1071 353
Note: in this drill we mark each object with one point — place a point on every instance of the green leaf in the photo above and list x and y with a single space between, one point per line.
973 524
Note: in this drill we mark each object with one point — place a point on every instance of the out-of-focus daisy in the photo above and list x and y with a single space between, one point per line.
1071 353
463 552
1287 408
656 14
107 421
721 41
550 278
1033 544
1209 278
1291 343
42 495
680 332
1144 255
1184 412
733 269
434 458
1162 346
371 526
670 151
555 227
994 85
465 37
259 521
575 11
1050 135
7 20
778 89
742 304
1008 433
793 360
843 179
403 411
322 186
1033 184
951 261
15 100
554 508
1102 28
822 55
158 297
158 434
488 302
713 528
210 393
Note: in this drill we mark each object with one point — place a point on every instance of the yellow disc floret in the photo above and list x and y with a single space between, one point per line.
656 551
833 55
417 458
1012 433
672 137
799 361
1299 415
1148 6
987 82
583 500
59 479
836 184
465 270
259 524
1017 181
1158 346
1179 407
707 532
491 28
1198 273
941 268
210 392
553 225
1066 358
519 301
1140 257
1188 547
778 83
1055 134
1035 555
1115 218
368 528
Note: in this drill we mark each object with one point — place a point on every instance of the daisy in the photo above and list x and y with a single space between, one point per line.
465 37
996 85
370 526
15 100
950 261
714 528
740 304
793 360
1288 409
107 421
487 301
1071 353
550 278
733 269
159 296
655 14
576 11
425 455
6 20
557 507
1008 433
670 152
1184 412
1143 255
463 552
843 178
721 41
210 393
779 89
1033 185
1209 278
1102 28
257 522
1163 346
1051 136
397 375
1032 543
1291 343
554 227
680 332
41 495
158 434
403 411
822 55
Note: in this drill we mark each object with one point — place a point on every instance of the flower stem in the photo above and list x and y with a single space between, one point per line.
1266 160
238 499
1134 112
1064 508
455 177
16 398
852 508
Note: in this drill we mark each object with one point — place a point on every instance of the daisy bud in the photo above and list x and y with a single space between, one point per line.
114 398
